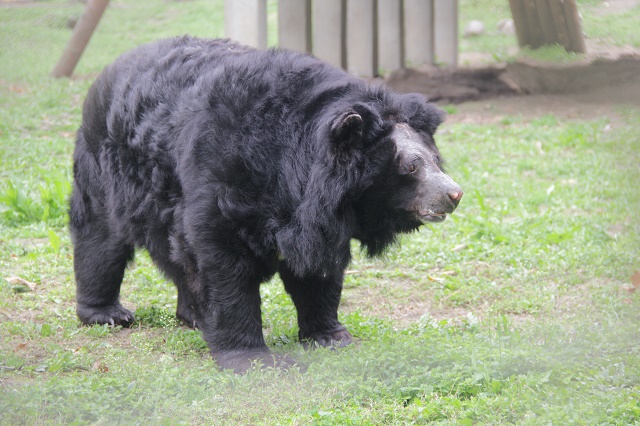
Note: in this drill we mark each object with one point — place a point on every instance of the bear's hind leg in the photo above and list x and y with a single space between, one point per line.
185 312
160 253
316 299
100 260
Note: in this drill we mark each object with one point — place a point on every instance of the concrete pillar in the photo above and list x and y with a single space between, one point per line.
361 38
329 21
446 31
418 32
294 24
246 21
390 40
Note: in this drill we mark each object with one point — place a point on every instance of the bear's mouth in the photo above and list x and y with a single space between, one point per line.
430 216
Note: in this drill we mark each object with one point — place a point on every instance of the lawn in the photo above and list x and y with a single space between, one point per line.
520 308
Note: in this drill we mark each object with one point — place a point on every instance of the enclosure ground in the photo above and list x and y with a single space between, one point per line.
521 308
596 80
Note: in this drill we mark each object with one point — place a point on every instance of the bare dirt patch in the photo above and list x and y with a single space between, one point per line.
605 102
403 301
594 87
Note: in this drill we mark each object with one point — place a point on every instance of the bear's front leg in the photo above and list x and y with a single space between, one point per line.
228 314
316 298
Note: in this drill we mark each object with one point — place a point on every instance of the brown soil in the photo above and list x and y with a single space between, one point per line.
525 76
603 102
588 89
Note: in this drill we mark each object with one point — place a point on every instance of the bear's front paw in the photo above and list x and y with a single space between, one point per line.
241 361
108 314
186 316
334 339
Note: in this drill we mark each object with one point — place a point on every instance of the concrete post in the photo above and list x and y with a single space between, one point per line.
246 21
418 32
294 24
446 31
361 38
329 22
390 40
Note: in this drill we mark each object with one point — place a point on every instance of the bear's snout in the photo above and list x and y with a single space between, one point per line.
456 196
440 196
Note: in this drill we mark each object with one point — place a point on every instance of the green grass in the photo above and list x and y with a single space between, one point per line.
518 309
618 28
499 47
556 54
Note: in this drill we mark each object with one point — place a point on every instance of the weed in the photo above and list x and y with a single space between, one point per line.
155 317
555 54
48 204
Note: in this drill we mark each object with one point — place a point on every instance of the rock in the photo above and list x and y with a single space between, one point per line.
473 29
506 26
71 22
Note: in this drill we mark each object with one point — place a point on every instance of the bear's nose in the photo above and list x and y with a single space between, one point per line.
455 196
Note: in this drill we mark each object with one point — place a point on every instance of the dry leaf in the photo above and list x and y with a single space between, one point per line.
436 279
635 283
21 281
5 313
615 230
20 346
551 189
102 368
17 89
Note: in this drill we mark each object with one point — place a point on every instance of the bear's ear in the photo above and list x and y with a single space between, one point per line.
421 113
347 129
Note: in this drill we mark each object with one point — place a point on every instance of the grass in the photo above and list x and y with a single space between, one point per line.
554 54
619 29
519 309
608 29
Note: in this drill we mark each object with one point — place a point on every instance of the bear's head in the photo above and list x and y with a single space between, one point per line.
381 174
416 183
407 185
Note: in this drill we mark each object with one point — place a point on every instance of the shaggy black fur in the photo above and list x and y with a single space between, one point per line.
230 164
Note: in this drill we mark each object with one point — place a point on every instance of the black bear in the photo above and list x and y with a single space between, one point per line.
229 164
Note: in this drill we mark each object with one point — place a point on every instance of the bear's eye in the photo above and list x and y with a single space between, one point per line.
412 168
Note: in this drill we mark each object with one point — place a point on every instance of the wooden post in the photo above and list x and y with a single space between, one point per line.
557 15
246 21
390 40
520 22
540 22
574 28
361 38
82 33
418 32
329 34
294 24
545 21
445 20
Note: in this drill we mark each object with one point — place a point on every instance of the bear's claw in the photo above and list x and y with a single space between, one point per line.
113 315
334 339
